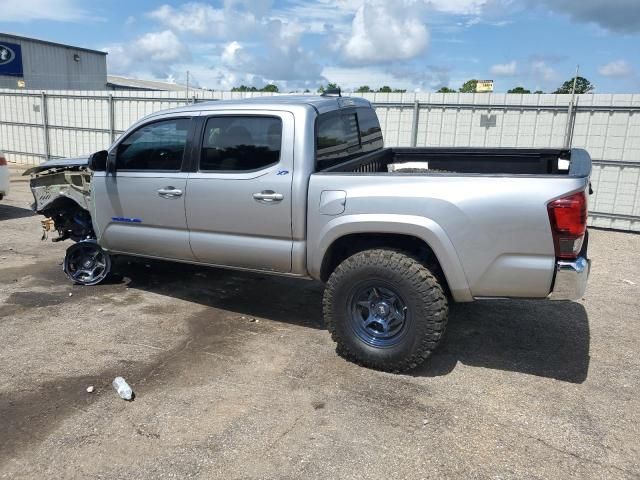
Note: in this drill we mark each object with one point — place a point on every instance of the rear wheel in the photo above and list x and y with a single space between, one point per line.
86 263
385 310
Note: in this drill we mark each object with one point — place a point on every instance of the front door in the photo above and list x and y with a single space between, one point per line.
140 208
239 202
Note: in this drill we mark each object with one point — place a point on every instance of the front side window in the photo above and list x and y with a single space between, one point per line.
156 146
241 143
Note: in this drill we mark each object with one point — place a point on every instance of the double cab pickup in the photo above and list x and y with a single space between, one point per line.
303 186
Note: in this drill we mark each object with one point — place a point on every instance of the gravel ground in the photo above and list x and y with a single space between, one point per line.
236 377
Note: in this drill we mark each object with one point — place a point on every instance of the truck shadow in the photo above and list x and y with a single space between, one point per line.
9 212
271 297
542 338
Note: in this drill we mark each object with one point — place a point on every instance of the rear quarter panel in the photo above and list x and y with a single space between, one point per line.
491 234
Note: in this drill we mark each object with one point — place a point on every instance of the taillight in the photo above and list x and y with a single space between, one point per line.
3 161
568 217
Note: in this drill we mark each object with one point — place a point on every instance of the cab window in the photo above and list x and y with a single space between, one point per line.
344 134
155 146
337 138
241 143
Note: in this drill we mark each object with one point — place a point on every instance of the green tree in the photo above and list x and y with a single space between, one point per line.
388 89
244 88
446 90
582 86
267 88
329 86
469 86
538 91
364 89
519 90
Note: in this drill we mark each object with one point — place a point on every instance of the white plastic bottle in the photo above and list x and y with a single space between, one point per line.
123 388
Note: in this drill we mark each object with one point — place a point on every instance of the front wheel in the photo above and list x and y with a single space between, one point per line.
86 263
385 310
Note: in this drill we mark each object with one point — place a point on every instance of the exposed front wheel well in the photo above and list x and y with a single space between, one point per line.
349 245
70 220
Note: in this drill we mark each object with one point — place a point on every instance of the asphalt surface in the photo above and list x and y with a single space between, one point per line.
235 377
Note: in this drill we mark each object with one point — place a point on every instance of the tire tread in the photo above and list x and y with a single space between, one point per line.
431 319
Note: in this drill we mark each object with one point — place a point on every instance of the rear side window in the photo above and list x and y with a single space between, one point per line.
155 146
337 137
370 131
241 143
341 135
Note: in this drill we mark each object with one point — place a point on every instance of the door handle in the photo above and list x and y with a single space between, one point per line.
169 192
268 196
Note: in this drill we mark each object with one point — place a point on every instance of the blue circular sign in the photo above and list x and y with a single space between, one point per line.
6 54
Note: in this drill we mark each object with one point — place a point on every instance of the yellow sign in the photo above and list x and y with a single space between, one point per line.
484 86
21 84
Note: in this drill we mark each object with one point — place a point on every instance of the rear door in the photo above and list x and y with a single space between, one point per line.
140 207
239 202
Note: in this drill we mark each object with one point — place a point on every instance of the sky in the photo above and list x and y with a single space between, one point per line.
417 45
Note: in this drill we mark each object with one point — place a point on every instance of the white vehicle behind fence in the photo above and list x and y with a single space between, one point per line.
4 176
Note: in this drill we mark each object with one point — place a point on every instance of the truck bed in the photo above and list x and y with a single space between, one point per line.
487 210
478 161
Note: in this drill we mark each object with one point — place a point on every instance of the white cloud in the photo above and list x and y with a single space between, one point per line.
540 70
350 78
233 21
617 68
52 10
162 46
280 59
230 52
459 7
504 69
320 16
421 79
197 18
247 40
152 54
383 32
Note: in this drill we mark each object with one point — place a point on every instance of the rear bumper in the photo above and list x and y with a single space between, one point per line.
571 279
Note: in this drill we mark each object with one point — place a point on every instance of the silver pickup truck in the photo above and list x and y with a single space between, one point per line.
303 186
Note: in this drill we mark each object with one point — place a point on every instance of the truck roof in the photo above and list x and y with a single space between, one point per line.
319 103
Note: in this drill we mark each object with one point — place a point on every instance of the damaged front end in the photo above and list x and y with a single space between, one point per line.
62 193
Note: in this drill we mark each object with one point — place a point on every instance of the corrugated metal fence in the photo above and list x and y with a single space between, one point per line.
39 125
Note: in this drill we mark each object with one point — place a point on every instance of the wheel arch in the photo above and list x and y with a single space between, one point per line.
418 236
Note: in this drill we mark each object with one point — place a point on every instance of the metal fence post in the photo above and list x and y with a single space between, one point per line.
45 125
414 127
571 122
112 127
567 127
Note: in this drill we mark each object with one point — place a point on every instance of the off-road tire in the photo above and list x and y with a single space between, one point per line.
427 309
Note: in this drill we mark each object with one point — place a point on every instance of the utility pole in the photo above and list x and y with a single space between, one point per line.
575 81
574 86
568 132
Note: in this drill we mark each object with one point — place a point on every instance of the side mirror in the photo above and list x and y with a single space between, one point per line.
98 161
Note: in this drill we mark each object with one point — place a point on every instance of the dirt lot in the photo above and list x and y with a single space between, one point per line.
236 377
